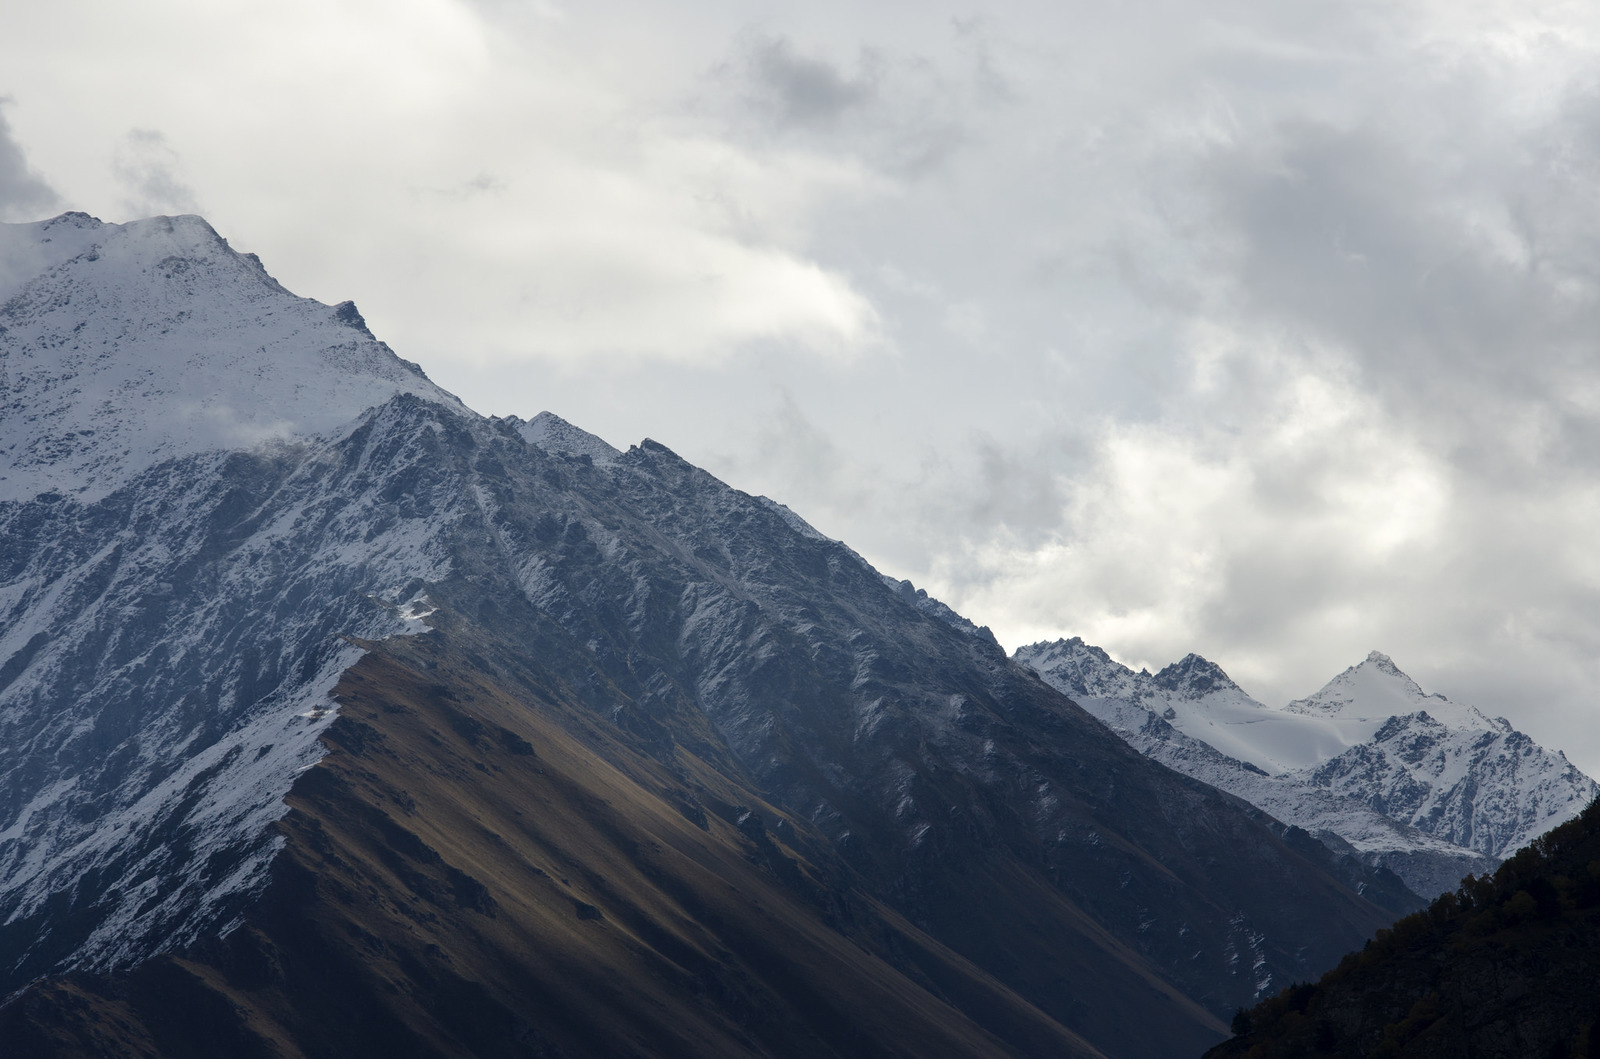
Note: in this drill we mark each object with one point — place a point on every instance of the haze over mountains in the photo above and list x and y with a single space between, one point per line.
340 719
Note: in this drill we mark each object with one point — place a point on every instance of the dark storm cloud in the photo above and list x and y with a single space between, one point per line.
23 193
149 171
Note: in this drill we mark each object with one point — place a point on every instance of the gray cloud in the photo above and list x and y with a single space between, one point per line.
802 90
1343 235
1455 263
972 491
1256 329
24 195
484 183
1386 416
150 174
906 114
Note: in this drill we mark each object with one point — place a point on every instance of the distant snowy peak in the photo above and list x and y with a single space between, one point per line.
124 345
1081 670
1376 690
1194 696
1194 678
553 434
1493 791
1371 758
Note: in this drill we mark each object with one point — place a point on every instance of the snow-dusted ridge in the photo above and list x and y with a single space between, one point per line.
179 608
554 434
1428 787
169 651
197 500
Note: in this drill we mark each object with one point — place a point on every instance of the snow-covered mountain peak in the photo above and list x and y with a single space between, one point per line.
554 434
129 344
1376 689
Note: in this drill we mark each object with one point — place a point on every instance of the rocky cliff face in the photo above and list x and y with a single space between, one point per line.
1363 764
919 824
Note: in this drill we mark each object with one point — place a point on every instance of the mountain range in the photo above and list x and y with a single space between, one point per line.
1431 789
339 719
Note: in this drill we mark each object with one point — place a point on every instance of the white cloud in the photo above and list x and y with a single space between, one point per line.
150 173
348 158
23 192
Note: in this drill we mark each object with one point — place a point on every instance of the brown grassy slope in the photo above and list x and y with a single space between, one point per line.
481 870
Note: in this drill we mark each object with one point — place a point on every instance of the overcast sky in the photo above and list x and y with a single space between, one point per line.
1262 330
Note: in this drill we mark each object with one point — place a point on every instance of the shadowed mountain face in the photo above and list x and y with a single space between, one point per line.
624 761
1504 967
482 867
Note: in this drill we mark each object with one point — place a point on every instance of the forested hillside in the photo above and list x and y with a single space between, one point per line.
1507 965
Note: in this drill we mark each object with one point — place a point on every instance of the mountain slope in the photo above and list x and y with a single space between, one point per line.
1432 801
171 648
481 867
977 848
